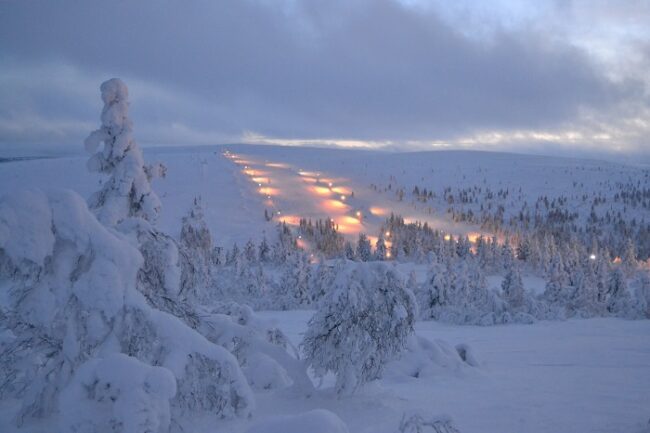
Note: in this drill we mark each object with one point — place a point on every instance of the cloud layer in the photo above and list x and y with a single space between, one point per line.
381 70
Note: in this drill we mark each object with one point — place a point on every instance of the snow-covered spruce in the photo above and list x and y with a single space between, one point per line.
363 323
127 192
196 246
72 298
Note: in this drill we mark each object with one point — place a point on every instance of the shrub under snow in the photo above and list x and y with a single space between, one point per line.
314 421
118 394
362 323
72 298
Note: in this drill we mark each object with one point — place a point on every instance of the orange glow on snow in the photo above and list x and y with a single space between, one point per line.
292 220
254 173
350 220
334 205
308 173
309 179
261 179
342 190
378 211
276 165
269 191
320 190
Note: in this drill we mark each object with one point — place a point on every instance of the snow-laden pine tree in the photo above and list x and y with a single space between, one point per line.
73 304
196 253
363 252
643 294
380 249
127 192
433 294
361 324
293 287
555 282
618 297
513 288
264 251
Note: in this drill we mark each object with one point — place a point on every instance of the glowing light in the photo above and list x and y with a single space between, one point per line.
329 184
388 254
350 220
592 257
334 205
342 190
320 190
276 165
308 173
253 173
342 198
358 214
292 220
269 192
378 211
387 234
473 237
447 237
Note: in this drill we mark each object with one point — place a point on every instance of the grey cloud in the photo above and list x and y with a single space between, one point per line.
314 68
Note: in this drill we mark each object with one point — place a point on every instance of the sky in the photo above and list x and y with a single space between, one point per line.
565 77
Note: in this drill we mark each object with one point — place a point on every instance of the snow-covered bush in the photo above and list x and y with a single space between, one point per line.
361 324
127 192
72 297
424 358
118 394
418 423
314 421
268 359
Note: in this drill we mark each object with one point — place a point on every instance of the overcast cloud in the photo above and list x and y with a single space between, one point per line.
411 74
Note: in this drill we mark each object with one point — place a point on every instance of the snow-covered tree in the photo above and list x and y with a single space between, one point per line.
618 295
380 249
433 293
196 248
293 287
361 324
643 293
127 192
264 251
513 288
363 248
73 297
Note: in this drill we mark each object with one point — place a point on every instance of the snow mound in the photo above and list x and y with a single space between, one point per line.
425 358
118 394
314 421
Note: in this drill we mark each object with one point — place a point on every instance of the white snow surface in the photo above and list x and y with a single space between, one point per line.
575 376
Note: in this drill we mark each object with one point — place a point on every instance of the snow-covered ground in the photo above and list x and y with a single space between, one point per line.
590 376
565 376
